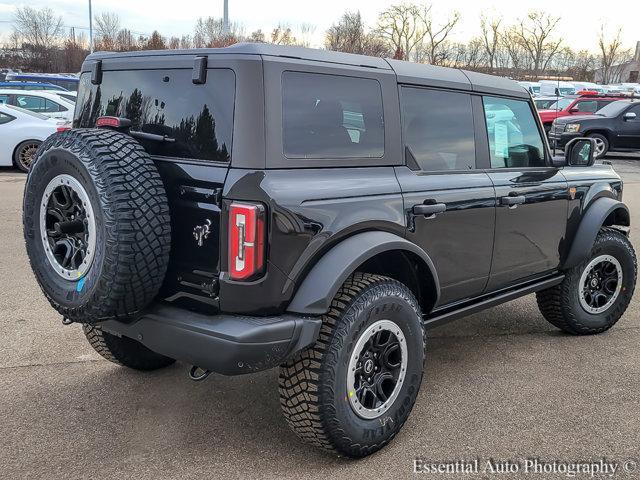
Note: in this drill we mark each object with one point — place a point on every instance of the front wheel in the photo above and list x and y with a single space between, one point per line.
352 391
594 295
602 144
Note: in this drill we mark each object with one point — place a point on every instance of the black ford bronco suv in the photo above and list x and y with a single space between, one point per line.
258 206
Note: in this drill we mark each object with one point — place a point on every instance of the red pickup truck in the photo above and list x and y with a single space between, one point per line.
574 105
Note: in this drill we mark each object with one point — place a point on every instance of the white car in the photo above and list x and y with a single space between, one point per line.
557 88
48 104
21 132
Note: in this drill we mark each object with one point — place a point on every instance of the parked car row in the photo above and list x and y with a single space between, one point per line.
30 111
614 127
558 88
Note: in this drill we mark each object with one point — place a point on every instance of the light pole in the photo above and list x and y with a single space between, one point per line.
91 28
226 17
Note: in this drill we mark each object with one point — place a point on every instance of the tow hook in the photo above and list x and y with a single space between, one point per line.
66 321
198 374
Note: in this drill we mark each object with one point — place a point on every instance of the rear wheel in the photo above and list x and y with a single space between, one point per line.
124 351
594 294
25 153
353 390
602 144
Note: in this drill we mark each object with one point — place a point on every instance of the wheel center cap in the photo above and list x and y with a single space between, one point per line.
594 282
368 366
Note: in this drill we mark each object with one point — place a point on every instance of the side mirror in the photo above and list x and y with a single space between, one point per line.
580 152
629 116
574 110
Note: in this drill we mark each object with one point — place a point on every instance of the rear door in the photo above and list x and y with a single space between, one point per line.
449 203
196 121
532 197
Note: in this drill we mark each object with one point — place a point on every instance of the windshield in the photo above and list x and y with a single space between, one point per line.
567 90
27 112
561 104
613 109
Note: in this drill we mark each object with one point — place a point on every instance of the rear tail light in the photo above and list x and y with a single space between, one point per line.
246 240
63 126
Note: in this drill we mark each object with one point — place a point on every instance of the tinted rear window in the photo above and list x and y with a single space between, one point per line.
166 102
438 129
330 116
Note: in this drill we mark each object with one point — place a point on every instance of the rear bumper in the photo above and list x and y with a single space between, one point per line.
227 344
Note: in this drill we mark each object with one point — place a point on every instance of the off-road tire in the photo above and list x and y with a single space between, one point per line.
560 305
604 140
132 224
124 351
313 386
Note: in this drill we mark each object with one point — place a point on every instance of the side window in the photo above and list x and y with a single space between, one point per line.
4 118
29 102
330 116
603 103
4 99
514 138
438 129
51 106
635 110
589 106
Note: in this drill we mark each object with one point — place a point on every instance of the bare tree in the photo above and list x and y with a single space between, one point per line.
305 32
41 28
491 39
155 42
210 32
125 41
283 35
257 37
107 25
612 55
348 35
403 27
533 34
435 41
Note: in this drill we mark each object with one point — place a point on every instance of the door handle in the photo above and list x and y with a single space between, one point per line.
429 210
513 201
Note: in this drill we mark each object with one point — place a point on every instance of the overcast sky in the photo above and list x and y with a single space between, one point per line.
579 29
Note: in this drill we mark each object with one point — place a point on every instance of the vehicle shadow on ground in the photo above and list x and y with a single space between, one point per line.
138 413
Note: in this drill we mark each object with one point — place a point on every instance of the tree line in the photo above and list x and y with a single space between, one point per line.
530 48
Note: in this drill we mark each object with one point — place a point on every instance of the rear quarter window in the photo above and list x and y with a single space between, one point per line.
331 116
197 118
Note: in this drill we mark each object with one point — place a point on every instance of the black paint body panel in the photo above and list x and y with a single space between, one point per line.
478 245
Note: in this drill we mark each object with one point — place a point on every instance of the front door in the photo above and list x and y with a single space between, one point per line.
629 130
532 197
449 203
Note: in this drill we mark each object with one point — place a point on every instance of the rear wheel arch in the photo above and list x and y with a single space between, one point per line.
371 252
410 270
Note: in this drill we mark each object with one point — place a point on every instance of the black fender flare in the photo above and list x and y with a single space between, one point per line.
321 284
592 220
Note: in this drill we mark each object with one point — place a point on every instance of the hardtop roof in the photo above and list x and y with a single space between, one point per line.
406 72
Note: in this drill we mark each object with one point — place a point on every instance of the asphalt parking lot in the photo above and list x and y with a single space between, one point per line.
501 384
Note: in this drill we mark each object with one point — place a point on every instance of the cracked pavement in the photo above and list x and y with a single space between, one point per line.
500 384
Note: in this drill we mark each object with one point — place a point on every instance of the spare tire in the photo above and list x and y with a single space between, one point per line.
96 225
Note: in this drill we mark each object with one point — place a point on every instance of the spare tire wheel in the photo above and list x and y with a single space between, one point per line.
96 225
